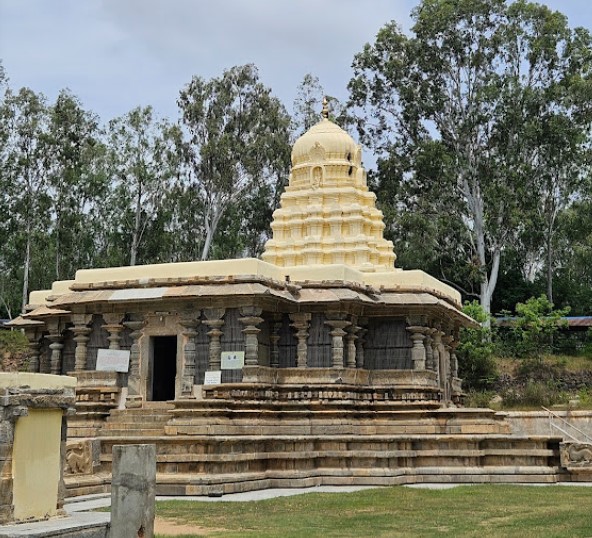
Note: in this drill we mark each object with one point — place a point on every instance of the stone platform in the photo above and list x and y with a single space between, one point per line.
222 444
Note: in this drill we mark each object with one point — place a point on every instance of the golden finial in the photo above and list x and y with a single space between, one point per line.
325 111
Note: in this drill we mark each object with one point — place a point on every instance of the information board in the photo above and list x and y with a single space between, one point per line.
113 360
232 360
213 378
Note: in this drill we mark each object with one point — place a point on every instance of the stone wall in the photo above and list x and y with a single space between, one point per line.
540 423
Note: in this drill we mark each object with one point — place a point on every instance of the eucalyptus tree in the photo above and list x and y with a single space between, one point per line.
23 168
471 85
141 163
77 183
236 141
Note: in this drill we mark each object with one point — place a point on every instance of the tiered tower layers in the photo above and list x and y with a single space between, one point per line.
327 214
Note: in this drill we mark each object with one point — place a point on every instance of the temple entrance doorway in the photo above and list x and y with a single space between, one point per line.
164 367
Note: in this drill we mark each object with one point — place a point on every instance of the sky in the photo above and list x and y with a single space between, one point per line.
119 54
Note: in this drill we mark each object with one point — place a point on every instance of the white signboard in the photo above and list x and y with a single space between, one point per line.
213 378
113 360
232 360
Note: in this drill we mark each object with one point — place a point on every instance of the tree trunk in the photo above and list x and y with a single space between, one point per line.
26 269
136 232
550 268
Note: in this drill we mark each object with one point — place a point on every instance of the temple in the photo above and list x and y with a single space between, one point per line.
320 363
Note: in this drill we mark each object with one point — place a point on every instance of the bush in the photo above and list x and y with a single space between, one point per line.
13 342
535 327
475 351
534 394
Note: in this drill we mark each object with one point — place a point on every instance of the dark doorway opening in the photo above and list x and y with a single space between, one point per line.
164 367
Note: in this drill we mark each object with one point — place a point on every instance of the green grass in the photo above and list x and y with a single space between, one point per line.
480 511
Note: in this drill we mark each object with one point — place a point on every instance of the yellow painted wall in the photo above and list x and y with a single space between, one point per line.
36 463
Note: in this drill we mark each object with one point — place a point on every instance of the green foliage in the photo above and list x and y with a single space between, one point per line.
534 394
13 342
535 327
481 125
475 351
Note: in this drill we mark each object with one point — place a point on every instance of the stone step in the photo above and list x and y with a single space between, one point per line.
191 484
135 418
136 431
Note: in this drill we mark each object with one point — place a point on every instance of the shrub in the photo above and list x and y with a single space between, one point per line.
475 351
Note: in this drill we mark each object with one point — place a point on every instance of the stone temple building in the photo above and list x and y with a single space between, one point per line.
319 363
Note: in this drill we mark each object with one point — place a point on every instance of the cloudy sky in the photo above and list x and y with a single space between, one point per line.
118 54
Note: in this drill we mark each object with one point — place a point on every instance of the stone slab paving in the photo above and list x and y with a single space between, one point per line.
75 525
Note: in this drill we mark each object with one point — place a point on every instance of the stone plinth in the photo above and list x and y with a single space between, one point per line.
32 444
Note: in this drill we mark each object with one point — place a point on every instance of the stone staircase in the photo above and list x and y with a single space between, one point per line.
148 421
215 446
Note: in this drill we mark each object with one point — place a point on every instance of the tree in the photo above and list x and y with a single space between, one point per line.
237 138
76 181
24 181
143 165
471 86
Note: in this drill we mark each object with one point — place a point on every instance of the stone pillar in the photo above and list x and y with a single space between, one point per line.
133 380
250 319
189 321
445 366
337 335
453 358
429 349
418 351
351 338
133 489
274 339
81 331
300 322
215 322
362 330
33 336
55 362
114 327
437 348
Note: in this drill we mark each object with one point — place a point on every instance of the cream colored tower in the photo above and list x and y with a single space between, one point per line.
327 215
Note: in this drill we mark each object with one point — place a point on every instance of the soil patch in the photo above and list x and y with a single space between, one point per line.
169 527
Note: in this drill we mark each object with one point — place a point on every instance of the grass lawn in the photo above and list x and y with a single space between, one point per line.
482 511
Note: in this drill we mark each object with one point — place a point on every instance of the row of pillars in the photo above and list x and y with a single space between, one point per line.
431 346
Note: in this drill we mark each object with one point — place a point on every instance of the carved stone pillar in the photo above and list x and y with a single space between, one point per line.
250 319
453 358
300 322
81 331
114 327
337 334
352 336
189 321
133 379
274 340
418 351
437 349
429 349
446 373
215 322
33 336
362 330
56 347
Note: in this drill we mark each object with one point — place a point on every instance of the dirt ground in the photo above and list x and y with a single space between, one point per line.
169 527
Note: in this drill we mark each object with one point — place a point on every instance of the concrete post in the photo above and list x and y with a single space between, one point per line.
133 487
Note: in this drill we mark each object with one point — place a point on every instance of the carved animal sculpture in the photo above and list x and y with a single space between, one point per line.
77 459
580 454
